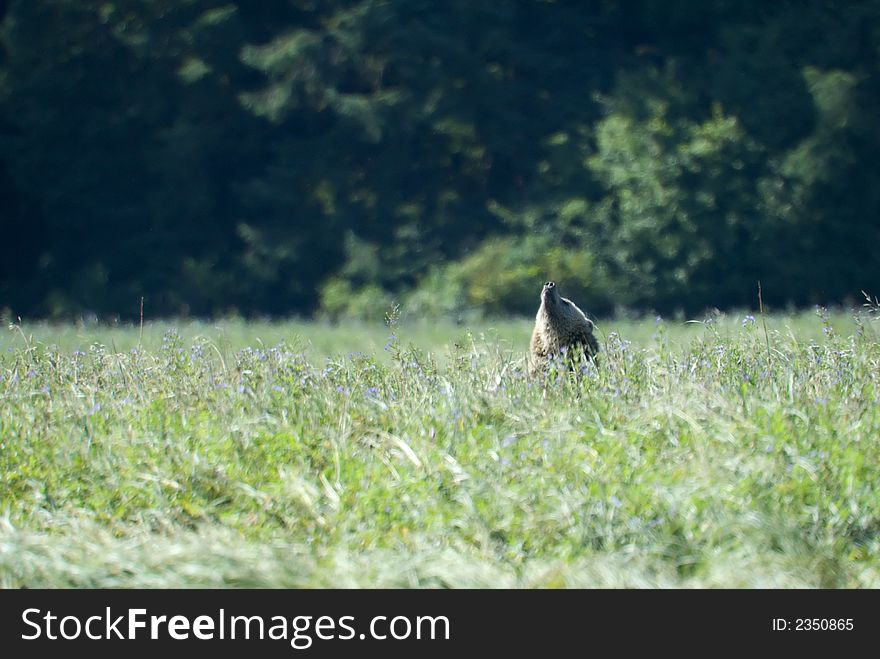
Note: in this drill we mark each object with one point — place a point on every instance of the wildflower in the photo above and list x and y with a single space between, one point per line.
748 320
588 369
372 392
46 390
196 353
94 409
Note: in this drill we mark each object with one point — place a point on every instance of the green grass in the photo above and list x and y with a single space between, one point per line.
297 454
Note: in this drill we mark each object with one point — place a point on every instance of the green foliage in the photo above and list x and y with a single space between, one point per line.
692 457
683 201
340 300
219 156
505 275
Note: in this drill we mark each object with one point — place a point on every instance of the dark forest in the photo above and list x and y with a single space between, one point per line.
328 158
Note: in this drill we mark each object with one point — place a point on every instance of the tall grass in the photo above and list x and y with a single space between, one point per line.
290 454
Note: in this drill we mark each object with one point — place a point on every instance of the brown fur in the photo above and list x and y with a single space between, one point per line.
560 324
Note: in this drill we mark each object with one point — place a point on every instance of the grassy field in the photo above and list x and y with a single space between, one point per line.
702 454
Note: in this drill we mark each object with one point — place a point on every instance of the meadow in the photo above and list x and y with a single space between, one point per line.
733 451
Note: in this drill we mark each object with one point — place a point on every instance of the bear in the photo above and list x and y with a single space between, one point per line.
561 330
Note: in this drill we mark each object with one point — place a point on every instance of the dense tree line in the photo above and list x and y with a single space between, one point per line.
332 156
